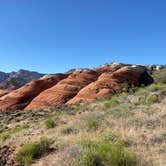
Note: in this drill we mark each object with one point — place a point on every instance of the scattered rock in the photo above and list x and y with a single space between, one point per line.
7 156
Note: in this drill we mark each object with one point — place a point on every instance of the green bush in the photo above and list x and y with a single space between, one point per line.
151 88
68 130
142 100
105 154
160 76
150 99
111 102
33 150
80 106
50 123
2 128
125 87
5 134
91 122
121 112
110 137
159 138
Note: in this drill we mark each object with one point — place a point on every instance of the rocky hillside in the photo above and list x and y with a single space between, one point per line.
120 120
3 76
76 85
14 80
126 129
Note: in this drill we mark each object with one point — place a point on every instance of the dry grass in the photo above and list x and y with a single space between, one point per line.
141 127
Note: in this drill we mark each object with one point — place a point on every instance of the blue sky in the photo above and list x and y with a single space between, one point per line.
56 35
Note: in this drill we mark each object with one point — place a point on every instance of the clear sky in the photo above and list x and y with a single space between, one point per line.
56 35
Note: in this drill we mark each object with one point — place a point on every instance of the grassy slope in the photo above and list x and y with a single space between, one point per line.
138 120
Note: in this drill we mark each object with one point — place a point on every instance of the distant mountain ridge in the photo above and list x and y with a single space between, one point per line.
3 76
14 80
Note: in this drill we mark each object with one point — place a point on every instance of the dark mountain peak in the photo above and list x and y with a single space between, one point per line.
18 78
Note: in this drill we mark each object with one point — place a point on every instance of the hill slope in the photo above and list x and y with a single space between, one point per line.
14 80
126 128
131 125
79 84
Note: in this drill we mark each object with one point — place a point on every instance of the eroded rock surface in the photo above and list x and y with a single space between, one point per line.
76 85
20 98
65 89
111 82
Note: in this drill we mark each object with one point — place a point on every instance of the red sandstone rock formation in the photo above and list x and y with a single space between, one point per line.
80 84
111 82
65 89
3 92
109 67
20 98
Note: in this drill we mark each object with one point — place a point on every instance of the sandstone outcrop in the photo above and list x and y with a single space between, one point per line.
3 92
109 67
76 85
65 89
20 98
112 82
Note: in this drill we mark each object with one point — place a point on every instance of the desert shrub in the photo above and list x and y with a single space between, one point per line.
150 88
135 122
73 150
4 135
2 128
91 122
150 99
81 106
121 112
142 100
110 137
160 76
152 123
50 123
105 153
68 130
112 102
70 112
159 138
33 150
125 87
149 111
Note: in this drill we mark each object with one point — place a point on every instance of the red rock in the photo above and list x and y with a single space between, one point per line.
20 98
76 85
64 90
4 92
111 82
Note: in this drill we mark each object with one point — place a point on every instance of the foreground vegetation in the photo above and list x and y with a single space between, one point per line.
127 129
33 150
